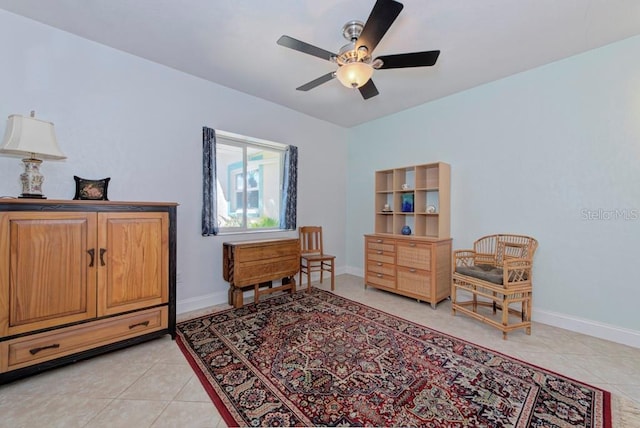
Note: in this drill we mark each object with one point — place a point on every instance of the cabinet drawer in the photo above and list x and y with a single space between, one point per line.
381 245
35 349
379 267
414 254
415 281
381 257
387 281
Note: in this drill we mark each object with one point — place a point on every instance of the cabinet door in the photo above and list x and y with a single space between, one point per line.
46 275
133 261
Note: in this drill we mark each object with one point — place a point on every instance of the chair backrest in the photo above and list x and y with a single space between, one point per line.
310 240
494 249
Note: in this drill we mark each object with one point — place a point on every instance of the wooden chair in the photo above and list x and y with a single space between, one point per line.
312 255
497 273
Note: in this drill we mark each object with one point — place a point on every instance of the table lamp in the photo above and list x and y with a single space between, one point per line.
36 139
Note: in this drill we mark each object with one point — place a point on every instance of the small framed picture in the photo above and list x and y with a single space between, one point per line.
95 190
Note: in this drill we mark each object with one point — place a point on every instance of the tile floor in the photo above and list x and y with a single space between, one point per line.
151 385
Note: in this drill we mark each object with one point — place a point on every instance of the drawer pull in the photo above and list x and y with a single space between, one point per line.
140 324
379 241
379 275
379 252
92 253
102 251
34 351
378 264
412 244
412 270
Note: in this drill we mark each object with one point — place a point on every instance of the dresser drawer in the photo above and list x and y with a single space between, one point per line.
383 268
381 256
414 281
380 279
42 347
380 244
416 255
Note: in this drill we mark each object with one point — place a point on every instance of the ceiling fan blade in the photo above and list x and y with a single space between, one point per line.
368 90
382 15
317 82
291 43
414 59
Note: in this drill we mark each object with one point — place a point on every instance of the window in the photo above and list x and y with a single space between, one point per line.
249 183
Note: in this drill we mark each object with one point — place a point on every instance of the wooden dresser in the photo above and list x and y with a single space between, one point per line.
257 263
80 278
412 266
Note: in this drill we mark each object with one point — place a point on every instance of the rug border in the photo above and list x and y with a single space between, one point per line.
606 395
206 384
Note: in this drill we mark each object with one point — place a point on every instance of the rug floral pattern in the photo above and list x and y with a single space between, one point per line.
322 360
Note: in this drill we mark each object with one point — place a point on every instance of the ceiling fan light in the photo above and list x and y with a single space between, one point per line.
354 74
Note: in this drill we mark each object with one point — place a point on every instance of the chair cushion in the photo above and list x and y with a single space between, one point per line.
484 272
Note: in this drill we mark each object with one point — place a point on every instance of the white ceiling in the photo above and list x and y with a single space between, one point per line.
233 42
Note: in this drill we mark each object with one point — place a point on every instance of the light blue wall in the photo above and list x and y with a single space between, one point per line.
140 123
529 154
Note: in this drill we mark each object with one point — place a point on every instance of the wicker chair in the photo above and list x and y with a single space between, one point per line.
497 273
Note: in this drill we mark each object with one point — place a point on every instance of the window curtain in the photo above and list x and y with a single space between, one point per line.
289 189
209 180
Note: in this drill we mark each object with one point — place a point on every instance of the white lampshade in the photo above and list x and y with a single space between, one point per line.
354 74
30 136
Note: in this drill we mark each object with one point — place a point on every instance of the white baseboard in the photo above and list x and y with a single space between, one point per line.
213 299
579 325
597 329
355 271
201 302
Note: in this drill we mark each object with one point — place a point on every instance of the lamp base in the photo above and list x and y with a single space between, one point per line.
31 196
32 179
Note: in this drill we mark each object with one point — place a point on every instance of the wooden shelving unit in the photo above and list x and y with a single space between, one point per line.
417 264
427 186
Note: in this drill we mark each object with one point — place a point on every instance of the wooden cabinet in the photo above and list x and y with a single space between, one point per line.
409 252
78 278
410 266
414 196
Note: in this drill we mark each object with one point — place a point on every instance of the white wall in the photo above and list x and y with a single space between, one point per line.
529 154
141 124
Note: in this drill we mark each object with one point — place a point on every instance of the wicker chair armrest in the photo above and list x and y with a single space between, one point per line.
464 258
517 270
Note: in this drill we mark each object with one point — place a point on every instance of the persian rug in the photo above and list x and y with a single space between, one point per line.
317 359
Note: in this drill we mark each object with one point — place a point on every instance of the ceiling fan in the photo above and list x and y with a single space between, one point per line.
355 64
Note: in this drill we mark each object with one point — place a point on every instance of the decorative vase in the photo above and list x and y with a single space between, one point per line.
406 230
